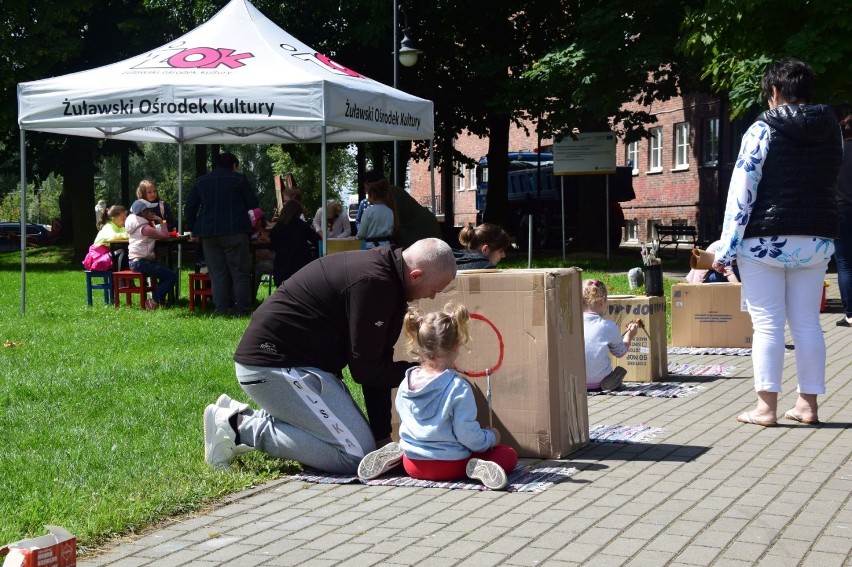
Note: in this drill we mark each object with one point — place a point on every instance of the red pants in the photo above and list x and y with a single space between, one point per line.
423 469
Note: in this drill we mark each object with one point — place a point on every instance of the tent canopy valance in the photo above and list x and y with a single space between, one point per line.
238 78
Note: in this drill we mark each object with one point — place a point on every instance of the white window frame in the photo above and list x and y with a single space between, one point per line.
632 153
711 141
471 179
460 186
631 230
681 147
680 222
655 150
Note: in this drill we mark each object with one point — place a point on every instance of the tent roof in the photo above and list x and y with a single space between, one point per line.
238 78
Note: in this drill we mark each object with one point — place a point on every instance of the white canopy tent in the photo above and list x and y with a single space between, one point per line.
237 78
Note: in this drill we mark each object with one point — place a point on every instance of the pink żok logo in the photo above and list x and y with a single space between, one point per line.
207 58
194 58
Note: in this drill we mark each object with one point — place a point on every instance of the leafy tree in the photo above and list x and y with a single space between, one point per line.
735 41
303 161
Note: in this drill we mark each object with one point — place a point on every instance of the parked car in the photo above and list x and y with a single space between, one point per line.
10 235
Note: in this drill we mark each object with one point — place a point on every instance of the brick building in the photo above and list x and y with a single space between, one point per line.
677 172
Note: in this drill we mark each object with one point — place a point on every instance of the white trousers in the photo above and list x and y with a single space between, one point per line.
775 295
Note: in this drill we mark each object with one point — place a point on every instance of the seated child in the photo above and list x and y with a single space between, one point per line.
110 227
602 338
440 438
140 227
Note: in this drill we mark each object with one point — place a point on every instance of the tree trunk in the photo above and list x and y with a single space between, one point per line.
497 201
77 201
446 185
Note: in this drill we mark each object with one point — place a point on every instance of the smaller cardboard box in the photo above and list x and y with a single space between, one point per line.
56 549
647 359
710 315
343 244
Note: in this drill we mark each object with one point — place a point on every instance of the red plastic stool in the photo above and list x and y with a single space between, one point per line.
199 287
124 282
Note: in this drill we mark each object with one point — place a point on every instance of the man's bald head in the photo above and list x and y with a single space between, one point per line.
429 268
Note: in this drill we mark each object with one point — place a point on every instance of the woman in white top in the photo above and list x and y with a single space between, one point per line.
338 223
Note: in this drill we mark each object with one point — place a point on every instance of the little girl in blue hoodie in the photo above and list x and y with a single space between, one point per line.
440 438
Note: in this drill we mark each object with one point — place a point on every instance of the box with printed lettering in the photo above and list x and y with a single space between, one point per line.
647 359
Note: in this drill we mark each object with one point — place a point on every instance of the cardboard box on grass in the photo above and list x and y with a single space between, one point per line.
710 315
57 549
538 388
647 359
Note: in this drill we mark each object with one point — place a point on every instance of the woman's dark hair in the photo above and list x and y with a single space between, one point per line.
474 238
226 159
291 209
794 80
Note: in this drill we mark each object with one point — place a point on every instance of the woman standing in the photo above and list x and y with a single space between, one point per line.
780 223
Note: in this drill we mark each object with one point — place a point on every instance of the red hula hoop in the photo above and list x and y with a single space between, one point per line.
499 358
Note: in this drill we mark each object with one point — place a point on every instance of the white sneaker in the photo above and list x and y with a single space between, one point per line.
219 446
489 473
225 401
379 461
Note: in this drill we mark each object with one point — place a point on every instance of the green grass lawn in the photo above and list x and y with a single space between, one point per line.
100 409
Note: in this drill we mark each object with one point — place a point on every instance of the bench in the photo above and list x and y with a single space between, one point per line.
676 235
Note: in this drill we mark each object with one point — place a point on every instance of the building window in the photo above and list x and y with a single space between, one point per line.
631 156
631 230
655 150
471 179
680 222
681 153
711 141
461 177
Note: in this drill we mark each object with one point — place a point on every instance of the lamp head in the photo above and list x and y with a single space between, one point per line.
408 52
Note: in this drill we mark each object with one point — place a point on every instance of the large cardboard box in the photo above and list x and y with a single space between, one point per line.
57 549
710 315
538 385
647 359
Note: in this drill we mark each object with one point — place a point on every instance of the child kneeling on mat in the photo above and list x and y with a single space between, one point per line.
602 339
440 438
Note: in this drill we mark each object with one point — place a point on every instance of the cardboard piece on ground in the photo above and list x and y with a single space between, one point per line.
710 315
538 393
57 549
647 359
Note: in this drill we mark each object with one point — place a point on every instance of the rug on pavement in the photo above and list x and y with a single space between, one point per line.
728 351
652 390
701 369
623 433
525 478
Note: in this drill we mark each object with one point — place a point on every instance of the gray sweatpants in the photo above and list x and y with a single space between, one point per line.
306 415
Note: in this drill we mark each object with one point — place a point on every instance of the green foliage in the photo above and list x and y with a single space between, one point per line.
735 41
42 202
614 53
303 161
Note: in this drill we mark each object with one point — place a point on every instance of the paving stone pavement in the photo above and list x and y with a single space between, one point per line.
706 491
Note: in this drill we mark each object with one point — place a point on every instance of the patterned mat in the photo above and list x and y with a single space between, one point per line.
653 390
701 369
525 478
623 433
710 350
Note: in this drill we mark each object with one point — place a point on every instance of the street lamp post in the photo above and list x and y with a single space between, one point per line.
404 53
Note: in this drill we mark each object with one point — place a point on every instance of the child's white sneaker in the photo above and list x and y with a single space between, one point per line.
489 473
380 461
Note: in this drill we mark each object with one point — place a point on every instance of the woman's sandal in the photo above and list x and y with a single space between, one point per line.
749 419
